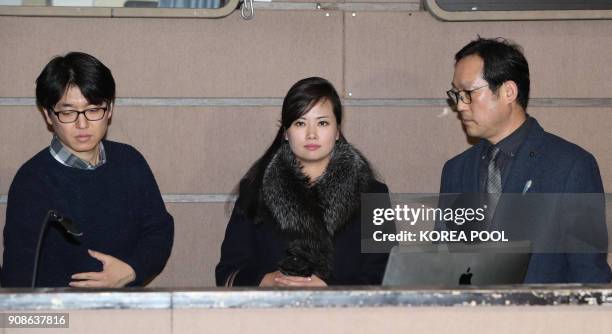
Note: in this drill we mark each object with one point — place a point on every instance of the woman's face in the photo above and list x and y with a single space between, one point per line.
312 137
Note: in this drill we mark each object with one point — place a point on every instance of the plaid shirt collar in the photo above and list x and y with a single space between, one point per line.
66 158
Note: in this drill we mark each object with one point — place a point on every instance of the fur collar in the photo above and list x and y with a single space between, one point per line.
310 216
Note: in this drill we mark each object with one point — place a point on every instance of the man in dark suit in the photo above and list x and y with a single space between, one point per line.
490 89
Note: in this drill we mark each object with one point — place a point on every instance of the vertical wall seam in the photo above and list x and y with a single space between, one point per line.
344 88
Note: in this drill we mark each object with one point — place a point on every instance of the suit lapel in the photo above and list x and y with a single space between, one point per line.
471 170
525 162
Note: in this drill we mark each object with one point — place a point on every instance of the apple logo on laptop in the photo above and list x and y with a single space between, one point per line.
466 279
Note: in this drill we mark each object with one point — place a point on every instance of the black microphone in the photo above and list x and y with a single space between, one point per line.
67 224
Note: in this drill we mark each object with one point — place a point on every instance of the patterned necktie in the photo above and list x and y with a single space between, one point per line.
493 186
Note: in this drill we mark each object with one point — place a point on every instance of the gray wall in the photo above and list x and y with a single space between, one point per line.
372 55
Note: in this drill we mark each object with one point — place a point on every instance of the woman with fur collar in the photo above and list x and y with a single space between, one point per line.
297 218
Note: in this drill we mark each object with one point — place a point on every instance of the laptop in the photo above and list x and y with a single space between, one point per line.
455 265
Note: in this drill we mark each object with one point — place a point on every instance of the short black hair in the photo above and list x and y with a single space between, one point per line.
74 69
503 61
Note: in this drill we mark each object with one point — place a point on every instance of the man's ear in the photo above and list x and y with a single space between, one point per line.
110 110
47 117
510 91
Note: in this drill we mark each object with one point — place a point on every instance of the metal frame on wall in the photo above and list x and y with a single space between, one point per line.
229 7
475 12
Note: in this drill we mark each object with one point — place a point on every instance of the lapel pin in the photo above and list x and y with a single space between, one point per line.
527 186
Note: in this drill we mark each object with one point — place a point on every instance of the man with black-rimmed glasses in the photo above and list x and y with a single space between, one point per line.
514 155
107 188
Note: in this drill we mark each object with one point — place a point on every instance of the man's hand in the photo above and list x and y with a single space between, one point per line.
277 279
115 273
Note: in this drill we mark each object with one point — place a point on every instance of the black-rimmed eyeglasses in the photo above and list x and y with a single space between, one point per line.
70 116
464 95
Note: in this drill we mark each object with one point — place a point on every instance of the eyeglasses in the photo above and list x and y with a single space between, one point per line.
71 116
464 95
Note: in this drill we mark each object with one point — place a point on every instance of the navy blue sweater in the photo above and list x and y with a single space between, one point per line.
118 207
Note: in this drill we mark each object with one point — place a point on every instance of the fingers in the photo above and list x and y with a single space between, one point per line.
87 284
88 280
99 256
296 281
293 281
316 281
95 276
295 278
115 273
277 279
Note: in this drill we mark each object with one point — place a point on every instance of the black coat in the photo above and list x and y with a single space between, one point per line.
319 224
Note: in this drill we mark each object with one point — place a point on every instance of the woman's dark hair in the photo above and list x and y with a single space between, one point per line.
300 98
503 61
79 69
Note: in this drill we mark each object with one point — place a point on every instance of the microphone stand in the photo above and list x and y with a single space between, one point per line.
66 224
